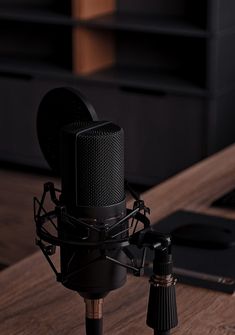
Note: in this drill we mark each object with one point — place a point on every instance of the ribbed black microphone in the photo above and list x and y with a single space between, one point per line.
92 176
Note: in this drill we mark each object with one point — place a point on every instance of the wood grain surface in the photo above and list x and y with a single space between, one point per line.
17 227
33 303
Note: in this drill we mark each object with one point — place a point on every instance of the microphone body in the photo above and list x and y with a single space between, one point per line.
92 176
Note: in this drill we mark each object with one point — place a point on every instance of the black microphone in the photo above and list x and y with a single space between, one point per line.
92 178
92 222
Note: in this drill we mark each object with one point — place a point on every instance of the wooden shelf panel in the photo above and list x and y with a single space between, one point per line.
111 21
125 78
35 16
128 78
145 24
32 68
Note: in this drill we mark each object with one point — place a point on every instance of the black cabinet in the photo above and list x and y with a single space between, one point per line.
165 71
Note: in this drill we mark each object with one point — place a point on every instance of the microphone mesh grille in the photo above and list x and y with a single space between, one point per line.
100 166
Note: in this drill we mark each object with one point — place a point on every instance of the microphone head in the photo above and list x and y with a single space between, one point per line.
59 107
93 165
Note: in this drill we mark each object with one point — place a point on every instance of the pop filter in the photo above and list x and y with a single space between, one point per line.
59 107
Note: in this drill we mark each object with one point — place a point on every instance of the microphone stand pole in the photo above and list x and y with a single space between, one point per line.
94 316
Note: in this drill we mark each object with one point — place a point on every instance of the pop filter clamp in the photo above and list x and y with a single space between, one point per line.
136 231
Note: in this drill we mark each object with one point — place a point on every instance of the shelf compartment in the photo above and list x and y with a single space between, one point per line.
180 57
146 81
32 68
46 16
125 78
173 63
54 6
193 11
22 43
180 14
122 22
141 23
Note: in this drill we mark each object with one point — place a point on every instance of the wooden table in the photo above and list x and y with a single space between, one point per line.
16 202
32 303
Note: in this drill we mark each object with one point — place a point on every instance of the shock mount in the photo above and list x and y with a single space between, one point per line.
136 230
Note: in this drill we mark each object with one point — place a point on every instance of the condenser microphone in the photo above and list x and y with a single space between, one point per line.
91 228
89 221
92 178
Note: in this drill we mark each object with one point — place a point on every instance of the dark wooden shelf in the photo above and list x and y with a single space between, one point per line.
35 16
124 78
128 78
32 68
146 24
113 21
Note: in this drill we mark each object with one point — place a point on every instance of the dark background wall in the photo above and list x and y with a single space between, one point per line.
165 72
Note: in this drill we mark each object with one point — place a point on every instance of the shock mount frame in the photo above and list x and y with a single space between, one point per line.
142 237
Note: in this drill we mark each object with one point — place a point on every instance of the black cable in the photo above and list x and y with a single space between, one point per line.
161 333
94 326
